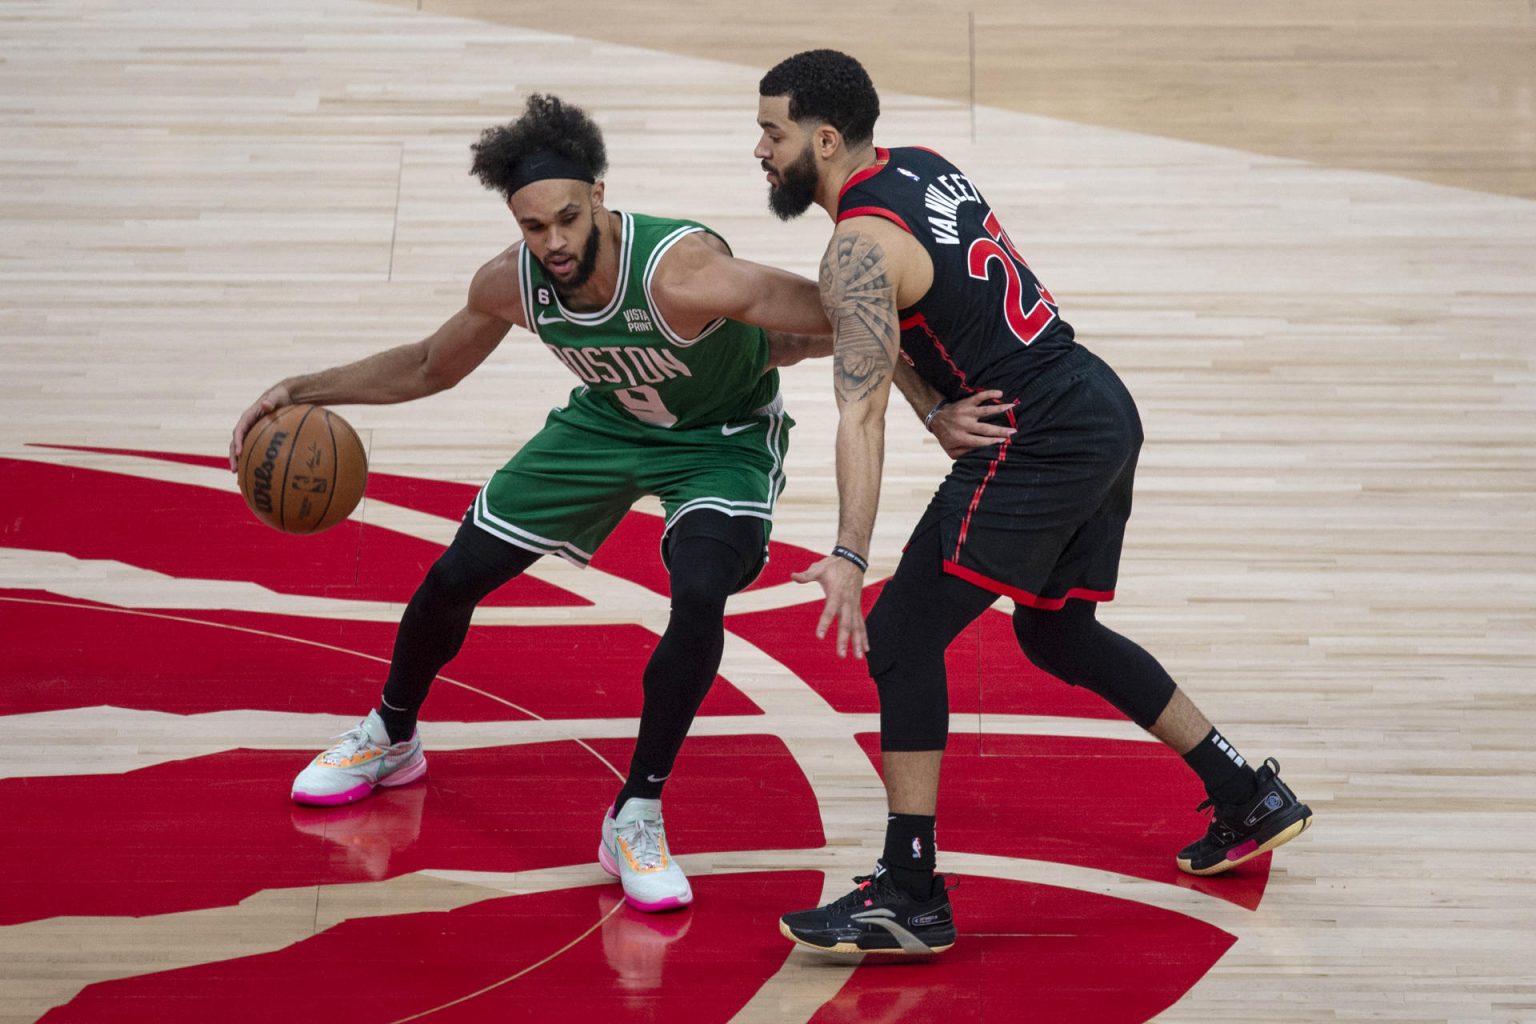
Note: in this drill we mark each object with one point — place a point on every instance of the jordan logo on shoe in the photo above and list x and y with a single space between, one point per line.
917 848
1271 804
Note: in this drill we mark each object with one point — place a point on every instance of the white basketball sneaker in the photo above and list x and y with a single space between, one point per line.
634 850
364 758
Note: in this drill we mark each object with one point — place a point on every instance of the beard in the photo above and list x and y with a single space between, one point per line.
796 189
585 264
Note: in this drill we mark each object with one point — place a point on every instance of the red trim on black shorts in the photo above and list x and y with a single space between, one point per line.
874 211
997 460
1024 597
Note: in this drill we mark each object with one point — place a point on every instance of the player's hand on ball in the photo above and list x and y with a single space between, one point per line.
962 426
843 583
275 396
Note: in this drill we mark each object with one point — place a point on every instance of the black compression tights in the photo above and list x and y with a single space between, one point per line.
922 609
437 619
711 555
1074 646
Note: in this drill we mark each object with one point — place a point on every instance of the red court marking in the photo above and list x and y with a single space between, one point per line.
192 662
1114 805
435 497
695 966
126 844
1039 954
1066 956
196 532
210 831
987 672
632 552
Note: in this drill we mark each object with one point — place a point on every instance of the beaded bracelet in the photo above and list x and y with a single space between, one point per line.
852 556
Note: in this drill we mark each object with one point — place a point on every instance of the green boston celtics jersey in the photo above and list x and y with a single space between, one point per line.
629 358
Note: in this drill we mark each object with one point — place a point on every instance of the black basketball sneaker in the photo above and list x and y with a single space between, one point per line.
1240 832
877 917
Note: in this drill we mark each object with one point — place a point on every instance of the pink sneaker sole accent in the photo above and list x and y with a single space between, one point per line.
1239 852
362 789
611 866
670 903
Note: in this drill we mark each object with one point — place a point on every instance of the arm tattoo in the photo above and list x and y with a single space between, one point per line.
860 301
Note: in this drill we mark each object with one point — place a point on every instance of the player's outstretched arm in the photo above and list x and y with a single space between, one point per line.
698 282
785 349
404 372
858 288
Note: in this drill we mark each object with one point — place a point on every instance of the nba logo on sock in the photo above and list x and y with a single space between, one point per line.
917 848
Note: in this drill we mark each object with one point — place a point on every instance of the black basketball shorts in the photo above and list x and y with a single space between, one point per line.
1040 517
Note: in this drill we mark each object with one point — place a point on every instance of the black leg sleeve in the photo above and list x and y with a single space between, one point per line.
920 612
1072 645
437 619
710 555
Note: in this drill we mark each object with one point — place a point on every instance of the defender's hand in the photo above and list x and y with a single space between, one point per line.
843 583
961 426
275 396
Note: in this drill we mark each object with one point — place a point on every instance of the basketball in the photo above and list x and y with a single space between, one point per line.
303 469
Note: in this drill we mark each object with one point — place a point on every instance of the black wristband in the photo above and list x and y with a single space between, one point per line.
928 420
852 556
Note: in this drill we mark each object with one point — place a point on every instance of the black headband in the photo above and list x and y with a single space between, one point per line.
546 163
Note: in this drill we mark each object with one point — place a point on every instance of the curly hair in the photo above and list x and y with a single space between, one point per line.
547 124
827 86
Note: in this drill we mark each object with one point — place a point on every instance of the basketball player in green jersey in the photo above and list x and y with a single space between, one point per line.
667 333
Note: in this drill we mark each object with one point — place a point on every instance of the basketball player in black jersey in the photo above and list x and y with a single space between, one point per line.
924 289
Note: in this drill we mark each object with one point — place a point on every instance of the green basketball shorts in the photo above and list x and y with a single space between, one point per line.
567 488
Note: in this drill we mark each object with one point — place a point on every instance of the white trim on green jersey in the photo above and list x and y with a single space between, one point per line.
626 243
525 288
525 277
650 271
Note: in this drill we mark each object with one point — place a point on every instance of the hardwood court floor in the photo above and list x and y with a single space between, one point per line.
1307 246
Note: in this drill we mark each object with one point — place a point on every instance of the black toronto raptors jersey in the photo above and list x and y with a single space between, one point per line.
987 321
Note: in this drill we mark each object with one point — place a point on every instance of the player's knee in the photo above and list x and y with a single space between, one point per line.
704 573
1050 658
909 676
459 577
1075 648
697 606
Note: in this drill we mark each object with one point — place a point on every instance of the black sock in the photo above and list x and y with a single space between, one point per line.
1227 777
909 853
398 722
